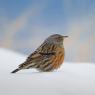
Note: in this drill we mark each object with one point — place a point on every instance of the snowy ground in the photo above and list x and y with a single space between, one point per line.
70 79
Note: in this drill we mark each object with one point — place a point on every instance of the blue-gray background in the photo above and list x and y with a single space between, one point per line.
24 24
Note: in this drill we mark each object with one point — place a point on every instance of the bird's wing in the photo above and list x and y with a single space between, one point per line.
35 57
44 51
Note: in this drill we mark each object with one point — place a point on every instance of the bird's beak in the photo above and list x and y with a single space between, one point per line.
65 36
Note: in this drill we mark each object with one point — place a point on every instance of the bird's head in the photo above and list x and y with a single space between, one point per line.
56 39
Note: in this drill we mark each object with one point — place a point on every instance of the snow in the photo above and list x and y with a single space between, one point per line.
70 79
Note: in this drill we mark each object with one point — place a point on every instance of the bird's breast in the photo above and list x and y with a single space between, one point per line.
59 58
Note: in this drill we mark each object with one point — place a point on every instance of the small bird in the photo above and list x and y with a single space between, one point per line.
48 57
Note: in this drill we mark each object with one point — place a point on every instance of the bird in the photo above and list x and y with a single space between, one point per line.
48 57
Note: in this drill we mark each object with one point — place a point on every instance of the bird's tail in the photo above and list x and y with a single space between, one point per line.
16 70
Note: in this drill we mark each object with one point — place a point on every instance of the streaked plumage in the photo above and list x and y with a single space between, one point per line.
48 57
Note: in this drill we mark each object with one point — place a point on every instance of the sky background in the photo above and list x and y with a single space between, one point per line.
24 24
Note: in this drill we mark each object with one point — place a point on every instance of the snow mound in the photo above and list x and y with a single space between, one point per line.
70 79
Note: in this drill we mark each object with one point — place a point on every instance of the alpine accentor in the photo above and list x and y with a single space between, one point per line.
48 57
